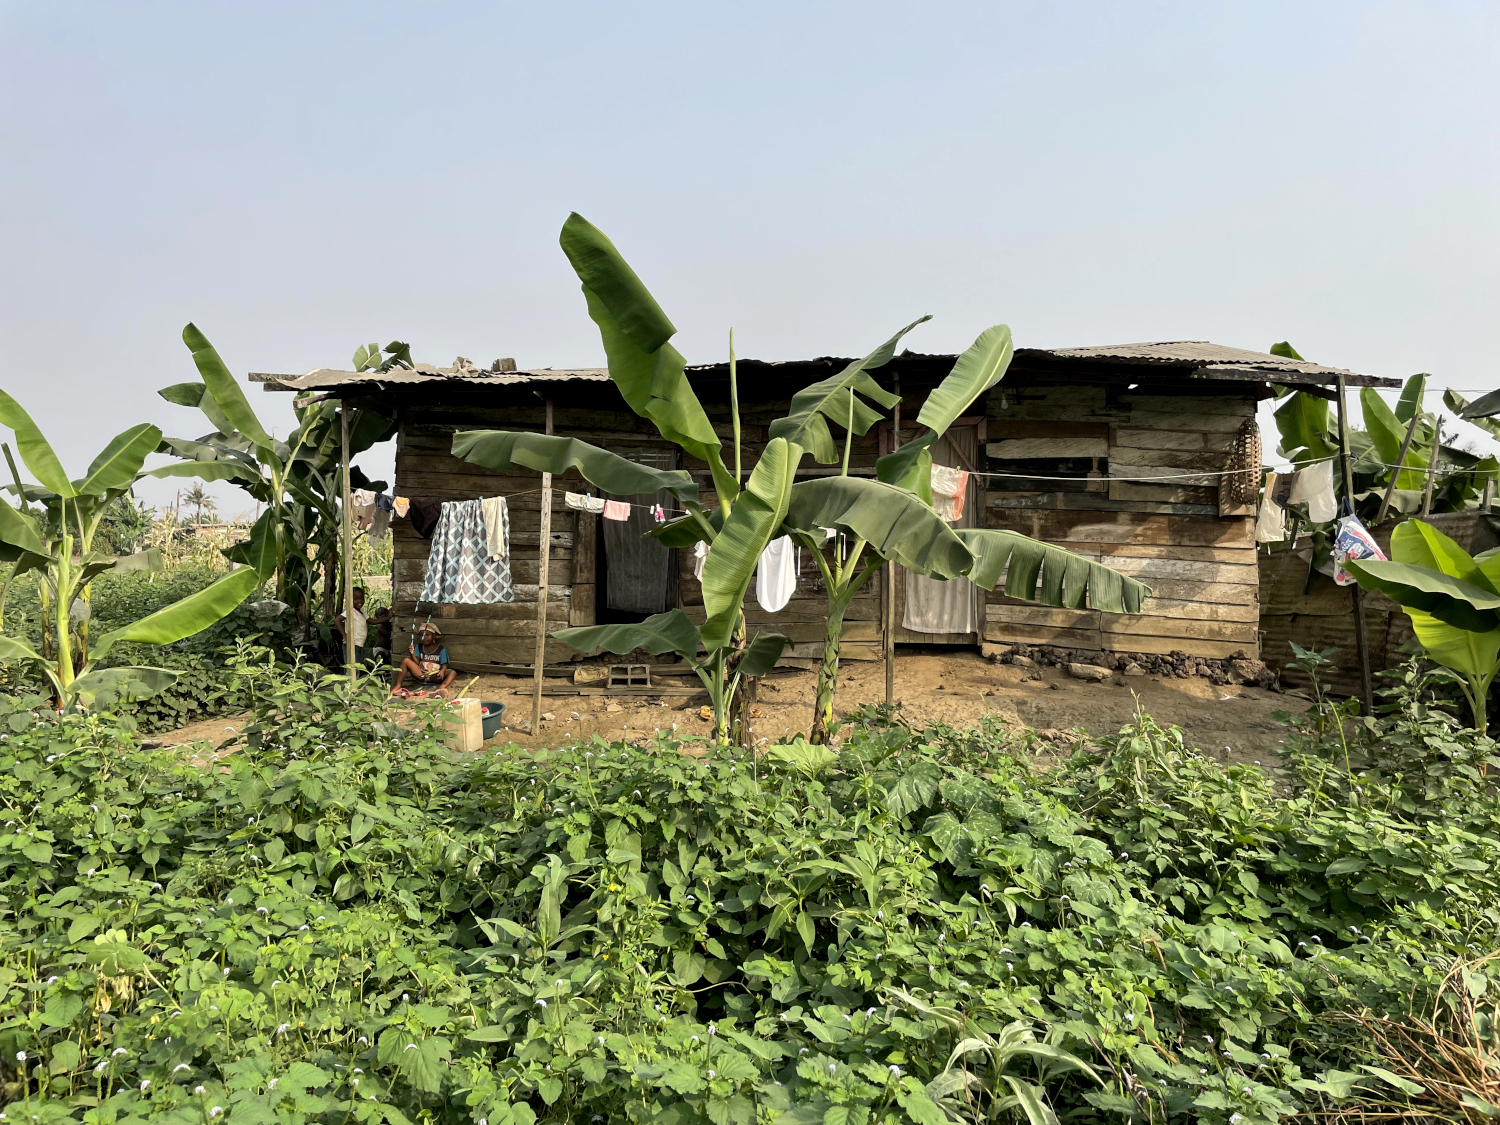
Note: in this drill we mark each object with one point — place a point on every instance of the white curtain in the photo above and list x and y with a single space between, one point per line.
956 606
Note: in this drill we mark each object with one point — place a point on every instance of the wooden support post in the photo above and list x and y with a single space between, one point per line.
889 623
346 563
1361 641
1390 489
1488 501
544 557
1437 445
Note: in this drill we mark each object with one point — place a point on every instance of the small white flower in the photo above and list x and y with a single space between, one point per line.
20 1056
181 1066
541 1003
215 1111
144 1083
894 1069
710 1074
271 1085
117 1052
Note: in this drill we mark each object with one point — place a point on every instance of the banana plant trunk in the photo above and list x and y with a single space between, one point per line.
840 594
828 674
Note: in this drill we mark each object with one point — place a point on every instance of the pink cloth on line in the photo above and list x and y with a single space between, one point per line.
616 510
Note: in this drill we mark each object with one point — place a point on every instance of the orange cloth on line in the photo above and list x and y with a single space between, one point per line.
949 487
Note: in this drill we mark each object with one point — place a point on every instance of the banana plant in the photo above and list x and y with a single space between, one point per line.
297 480
1308 434
720 671
881 519
1453 600
57 541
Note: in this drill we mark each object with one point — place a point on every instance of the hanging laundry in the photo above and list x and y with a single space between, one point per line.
949 486
1270 526
1353 541
1314 487
700 556
616 510
385 503
776 575
400 504
583 503
496 527
658 514
424 516
363 497
459 566
380 525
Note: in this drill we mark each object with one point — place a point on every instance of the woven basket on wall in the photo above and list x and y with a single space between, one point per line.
1242 486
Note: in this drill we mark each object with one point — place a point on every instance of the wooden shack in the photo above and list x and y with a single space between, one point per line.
1116 452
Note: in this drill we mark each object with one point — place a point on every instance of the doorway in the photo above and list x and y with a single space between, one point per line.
636 573
930 610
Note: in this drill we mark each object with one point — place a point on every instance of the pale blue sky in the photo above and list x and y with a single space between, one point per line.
299 178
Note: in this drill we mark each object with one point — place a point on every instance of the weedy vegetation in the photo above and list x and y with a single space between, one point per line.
343 921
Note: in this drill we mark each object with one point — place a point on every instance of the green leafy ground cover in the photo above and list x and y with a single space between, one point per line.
345 922
206 688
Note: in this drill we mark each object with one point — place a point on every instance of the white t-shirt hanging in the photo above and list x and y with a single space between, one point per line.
776 575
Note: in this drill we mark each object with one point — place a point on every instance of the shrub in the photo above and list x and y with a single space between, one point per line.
344 920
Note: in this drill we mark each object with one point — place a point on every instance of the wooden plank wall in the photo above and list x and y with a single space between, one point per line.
427 469
505 634
1201 566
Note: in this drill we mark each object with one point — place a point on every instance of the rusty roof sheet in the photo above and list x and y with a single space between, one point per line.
1197 359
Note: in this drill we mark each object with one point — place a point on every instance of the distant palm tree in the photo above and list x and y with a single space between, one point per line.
201 501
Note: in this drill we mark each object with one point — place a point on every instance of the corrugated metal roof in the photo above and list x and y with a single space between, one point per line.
423 374
1195 353
1197 359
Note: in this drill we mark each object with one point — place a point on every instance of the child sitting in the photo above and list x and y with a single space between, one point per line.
426 662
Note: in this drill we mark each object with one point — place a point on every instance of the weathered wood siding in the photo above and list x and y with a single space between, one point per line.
426 469
1200 565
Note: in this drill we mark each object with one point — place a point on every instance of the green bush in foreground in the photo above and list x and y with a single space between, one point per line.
344 922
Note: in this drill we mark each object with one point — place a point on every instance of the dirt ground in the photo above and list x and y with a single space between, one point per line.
1233 723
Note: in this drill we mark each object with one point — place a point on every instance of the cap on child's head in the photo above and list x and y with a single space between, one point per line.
428 627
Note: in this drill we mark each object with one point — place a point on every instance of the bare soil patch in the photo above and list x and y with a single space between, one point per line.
1231 723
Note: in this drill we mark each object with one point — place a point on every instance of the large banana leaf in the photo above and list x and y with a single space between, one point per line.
648 371
1040 572
1445 598
207 470
1409 405
197 395
503 449
1485 406
259 550
672 631
1387 431
33 448
1421 544
1302 421
979 368
897 524
1460 406
835 397
753 522
20 530
116 468
185 617
762 653
604 271
1467 651
224 388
